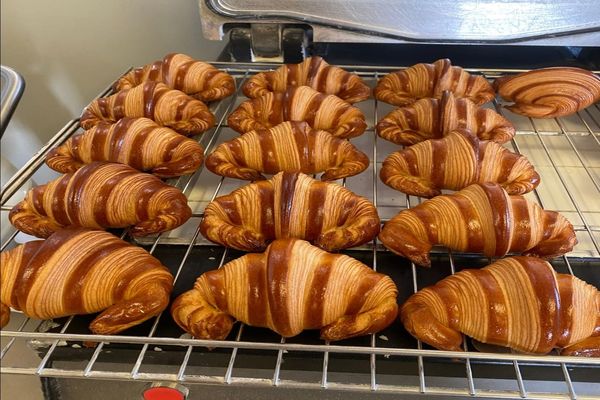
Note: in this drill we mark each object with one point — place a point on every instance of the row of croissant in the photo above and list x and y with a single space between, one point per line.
293 285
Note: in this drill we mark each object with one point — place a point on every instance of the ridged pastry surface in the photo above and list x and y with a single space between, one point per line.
137 142
289 146
550 92
420 81
290 287
81 271
516 302
302 103
290 205
179 71
313 72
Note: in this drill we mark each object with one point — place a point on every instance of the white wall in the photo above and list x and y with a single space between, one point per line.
69 50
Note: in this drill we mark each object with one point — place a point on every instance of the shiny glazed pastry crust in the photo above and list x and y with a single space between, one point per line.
102 195
516 302
455 162
165 106
81 271
137 142
289 146
290 287
481 218
324 112
290 205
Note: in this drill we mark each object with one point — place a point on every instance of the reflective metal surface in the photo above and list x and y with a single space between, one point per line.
12 86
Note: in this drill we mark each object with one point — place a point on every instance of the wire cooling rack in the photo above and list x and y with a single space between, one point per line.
566 153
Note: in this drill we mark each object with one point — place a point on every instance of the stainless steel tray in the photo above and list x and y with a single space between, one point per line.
565 151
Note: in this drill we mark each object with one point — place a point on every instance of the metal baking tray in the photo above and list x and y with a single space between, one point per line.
566 153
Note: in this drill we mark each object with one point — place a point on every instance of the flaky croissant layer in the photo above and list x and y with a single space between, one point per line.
102 195
81 271
137 142
517 302
291 287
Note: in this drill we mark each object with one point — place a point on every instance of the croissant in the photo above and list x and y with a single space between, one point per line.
324 112
102 195
289 146
517 302
167 107
179 71
455 162
420 81
294 205
313 72
138 142
481 218
81 271
434 119
549 92
290 287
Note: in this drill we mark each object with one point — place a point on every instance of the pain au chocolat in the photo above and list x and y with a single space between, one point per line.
82 271
102 195
482 218
290 287
420 81
137 142
454 162
154 100
435 118
516 302
299 103
289 146
294 205
178 71
549 92
313 72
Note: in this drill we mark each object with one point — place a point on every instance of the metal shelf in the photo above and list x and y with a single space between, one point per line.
566 153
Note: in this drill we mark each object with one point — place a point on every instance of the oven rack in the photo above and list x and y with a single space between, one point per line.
581 133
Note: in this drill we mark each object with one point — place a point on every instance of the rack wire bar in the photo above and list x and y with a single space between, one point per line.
281 346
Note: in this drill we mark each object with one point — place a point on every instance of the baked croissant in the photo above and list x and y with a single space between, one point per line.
179 71
313 72
455 162
102 195
81 271
167 107
549 92
289 146
137 142
434 119
516 302
420 81
481 218
290 287
324 112
290 204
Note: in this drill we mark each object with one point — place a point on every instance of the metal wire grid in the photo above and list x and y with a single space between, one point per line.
241 72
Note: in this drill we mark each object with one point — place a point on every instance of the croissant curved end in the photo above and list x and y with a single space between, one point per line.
4 315
405 244
421 323
589 347
28 221
195 315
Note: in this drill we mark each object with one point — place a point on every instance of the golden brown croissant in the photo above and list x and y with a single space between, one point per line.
420 81
434 119
167 107
289 146
481 218
516 302
179 71
324 112
313 72
290 287
81 271
455 162
550 92
102 195
290 204
137 142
